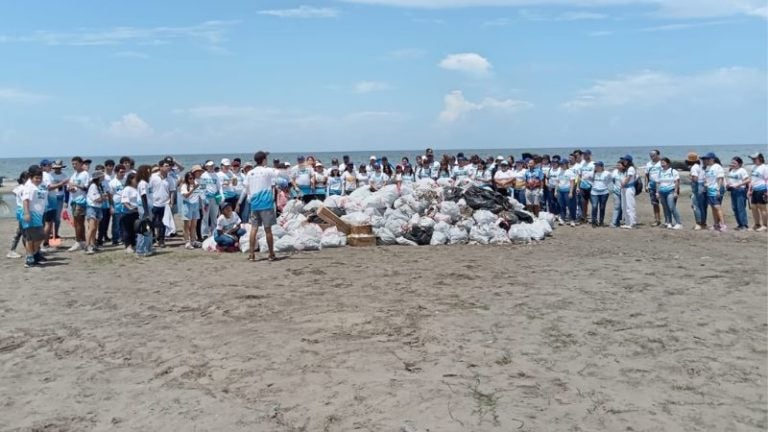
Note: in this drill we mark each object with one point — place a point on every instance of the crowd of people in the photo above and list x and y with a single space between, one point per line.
112 202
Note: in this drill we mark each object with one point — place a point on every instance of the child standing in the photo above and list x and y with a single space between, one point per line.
34 202
94 212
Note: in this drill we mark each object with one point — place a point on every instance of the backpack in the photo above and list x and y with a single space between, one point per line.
638 186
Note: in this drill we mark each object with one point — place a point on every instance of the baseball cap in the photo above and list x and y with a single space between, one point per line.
372 157
44 162
504 162
300 159
600 163
755 155
709 155
97 175
627 158
236 163
499 158
58 163
587 152
226 162
86 161
424 158
209 163
318 164
248 164
519 161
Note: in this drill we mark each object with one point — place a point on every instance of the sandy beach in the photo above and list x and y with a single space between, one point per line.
590 330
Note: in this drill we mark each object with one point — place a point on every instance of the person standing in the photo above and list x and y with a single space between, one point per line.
301 178
95 211
51 187
161 198
116 186
551 184
737 182
697 191
566 186
211 185
598 194
59 178
628 192
714 176
78 188
534 178
652 170
586 173
228 182
260 192
667 191
758 192
34 201
617 179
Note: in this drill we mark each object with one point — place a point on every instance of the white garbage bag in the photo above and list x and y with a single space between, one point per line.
499 236
357 218
442 217
518 234
544 226
360 193
385 236
484 217
549 218
467 224
480 234
450 209
209 245
377 221
312 205
427 222
293 206
457 235
438 238
442 227
405 242
284 244
307 238
332 238
397 227
335 201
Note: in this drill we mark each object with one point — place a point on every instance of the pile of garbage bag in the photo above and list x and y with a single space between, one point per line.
421 215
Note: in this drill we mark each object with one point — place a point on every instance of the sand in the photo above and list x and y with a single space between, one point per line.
593 329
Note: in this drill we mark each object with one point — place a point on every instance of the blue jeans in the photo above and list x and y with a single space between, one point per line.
553 204
668 203
228 240
57 220
567 204
699 212
598 215
519 195
616 220
739 207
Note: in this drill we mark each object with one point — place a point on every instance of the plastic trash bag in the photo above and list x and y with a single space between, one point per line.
536 231
544 226
457 235
442 227
360 193
334 201
499 236
378 221
357 218
480 234
548 217
427 222
284 244
293 206
385 237
451 209
396 226
438 238
524 216
420 236
209 245
312 206
414 220
483 199
332 238
518 234
405 242
484 217
466 224
442 217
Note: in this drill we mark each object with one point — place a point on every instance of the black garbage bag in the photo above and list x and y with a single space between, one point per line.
523 216
478 198
451 194
420 236
507 220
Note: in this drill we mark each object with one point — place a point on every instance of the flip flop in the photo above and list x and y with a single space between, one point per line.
271 258
252 258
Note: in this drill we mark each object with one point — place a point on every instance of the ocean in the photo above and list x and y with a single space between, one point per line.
11 167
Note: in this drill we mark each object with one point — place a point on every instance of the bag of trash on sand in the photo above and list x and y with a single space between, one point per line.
451 209
484 217
405 242
420 236
384 236
332 238
478 198
438 238
293 206
457 235
356 219
312 206
519 234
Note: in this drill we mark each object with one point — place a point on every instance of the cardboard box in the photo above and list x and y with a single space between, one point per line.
361 230
330 217
361 240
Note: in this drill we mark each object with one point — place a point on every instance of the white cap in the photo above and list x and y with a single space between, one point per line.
209 163
498 158
318 164
424 158
373 157
226 162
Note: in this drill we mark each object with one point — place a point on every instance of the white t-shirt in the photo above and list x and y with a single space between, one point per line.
161 191
735 177
519 175
564 179
632 175
225 224
552 177
81 180
698 172
130 199
711 174
259 187
225 179
503 176
94 197
378 180
760 178
601 182
38 200
653 169
193 197
587 172
665 180
211 184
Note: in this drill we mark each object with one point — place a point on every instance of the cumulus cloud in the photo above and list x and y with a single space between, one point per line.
647 88
456 106
19 96
363 87
302 11
129 126
470 63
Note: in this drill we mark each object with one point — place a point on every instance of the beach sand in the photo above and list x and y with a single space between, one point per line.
590 330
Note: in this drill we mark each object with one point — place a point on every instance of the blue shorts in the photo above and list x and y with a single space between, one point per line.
652 192
190 211
96 213
714 201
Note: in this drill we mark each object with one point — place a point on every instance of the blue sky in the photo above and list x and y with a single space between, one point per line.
187 76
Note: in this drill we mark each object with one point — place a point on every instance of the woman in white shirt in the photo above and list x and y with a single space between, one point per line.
350 179
667 191
131 203
598 196
758 192
698 195
628 192
191 192
737 181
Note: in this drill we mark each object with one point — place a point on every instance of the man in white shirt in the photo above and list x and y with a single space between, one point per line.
714 181
652 170
161 197
260 191
59 178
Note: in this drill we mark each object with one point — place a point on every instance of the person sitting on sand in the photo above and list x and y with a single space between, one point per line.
758 192
228 227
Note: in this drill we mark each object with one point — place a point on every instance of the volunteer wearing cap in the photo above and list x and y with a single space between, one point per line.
61 192
667 191
598 194
211 186
161 197
617 180
319 181
228 181
698 195
628 192
736 182
652 170
260 192
758 192
714 176
51 187
78 188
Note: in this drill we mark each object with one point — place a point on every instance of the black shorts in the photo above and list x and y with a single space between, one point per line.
586 193
49 216
759 197
33 234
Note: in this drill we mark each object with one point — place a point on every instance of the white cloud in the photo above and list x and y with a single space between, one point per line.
670 8
302 11
130 126
649 88
471 63
457 106
210 33
130 55
363 87
19 96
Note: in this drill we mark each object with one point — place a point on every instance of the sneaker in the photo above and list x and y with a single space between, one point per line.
722 228
656 223
626 227
12 254
30 262
90 250
129 250
573 224
188 246
38 257
677 227
697 227
762 229
76 247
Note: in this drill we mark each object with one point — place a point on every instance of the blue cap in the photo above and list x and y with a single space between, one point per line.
709 155
600 163
555 157
519 161
300 159
627 158
45 162
587 151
